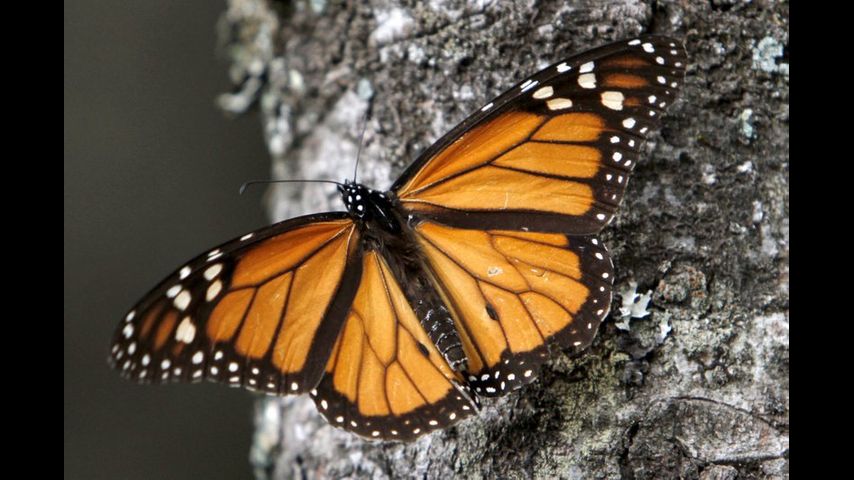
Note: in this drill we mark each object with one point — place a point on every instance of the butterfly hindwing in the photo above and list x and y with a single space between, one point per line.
554 153
513 294
385 378
262 311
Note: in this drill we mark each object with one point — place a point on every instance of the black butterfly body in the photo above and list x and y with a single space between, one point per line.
396 315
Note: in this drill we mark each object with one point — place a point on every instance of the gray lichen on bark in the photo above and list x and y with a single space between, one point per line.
697 389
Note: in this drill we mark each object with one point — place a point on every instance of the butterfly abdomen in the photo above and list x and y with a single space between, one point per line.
390 234
440 326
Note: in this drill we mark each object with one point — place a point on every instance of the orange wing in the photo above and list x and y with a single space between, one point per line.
513 293
555 153
262 311
385 378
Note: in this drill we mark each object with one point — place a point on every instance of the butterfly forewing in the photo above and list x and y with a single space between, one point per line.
262 311
554 153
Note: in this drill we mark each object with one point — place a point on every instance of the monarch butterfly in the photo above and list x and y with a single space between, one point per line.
396 315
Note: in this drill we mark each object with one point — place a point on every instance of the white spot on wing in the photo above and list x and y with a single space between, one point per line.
182 301
186 331
559 103
587 67
529 85
213 290
613 100
544 92
588 80
212 271
173 291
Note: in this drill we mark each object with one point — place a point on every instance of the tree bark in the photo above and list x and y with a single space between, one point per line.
696 389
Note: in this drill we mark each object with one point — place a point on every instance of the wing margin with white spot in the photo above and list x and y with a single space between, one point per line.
239 313
555 152
514 295
386 380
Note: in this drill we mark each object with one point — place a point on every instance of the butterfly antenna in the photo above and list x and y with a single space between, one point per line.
361 143
254 182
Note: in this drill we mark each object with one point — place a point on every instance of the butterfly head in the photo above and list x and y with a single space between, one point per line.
368 205
356 199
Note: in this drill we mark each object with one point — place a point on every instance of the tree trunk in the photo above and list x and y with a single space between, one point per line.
698 388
